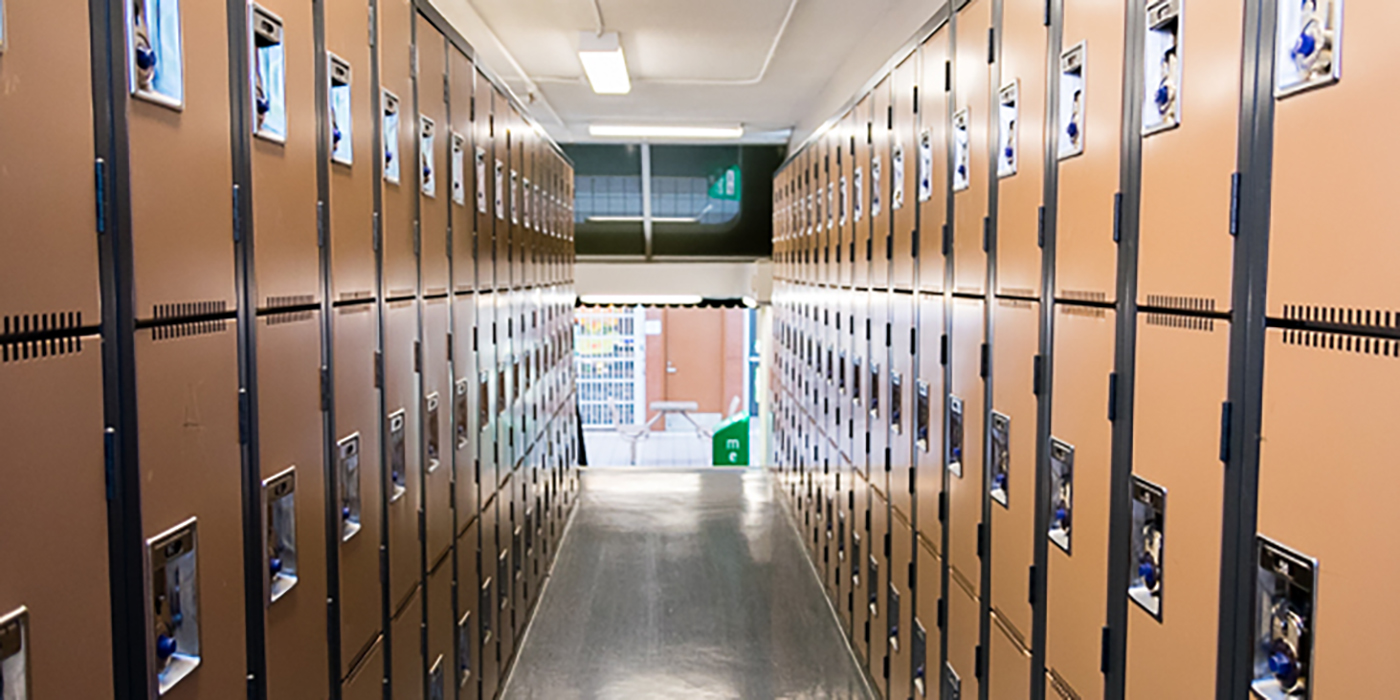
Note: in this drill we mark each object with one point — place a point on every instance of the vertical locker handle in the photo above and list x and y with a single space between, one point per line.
1037 376
947 239
1226 409
1105 642
991 45
942 612
943 349
981 540
913 341
1030 589
947 76
1112 396
1117 217
237 215
99 183
1235 181
985 362
986 234
109 461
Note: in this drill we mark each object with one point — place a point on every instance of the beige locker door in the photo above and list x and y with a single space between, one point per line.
366 680
899 601
1086 262
858 604
1077 570
398 125
432 134
881 176
933 172
486 392
401 425
359 479
460 169
465 436
861 192
46 113
1182 368
930 397
438 431
926 636
191 495
971 123
964 630
1329 405
467 645
841 156
1009 664
442 627
877 378
487 603
876 585
1188 157
353 160
903 389
904 170
1013 453
405 667
965 416
1020 146
291 441
1331 238
54 500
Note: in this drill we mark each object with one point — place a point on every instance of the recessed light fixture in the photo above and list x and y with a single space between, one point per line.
639 219
666 132
603 62
641 299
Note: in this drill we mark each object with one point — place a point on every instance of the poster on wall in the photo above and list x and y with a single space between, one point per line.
1008 118
1161 68
925 166
391 138
342 143
427 140
1072 102
459 173
269 76
962 152
1309 45
155 53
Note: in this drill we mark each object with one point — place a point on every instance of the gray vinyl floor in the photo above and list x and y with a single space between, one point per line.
683 584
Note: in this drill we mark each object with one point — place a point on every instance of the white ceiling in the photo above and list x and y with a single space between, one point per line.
692 63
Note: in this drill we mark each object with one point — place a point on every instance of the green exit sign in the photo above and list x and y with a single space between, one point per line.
727 185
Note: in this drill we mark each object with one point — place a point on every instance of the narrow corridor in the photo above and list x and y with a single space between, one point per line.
683 584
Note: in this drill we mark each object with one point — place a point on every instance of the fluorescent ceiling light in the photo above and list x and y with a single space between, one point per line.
666 132
640 299
603 63
638 219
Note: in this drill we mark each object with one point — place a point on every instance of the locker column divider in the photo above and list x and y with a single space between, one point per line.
949 271
113 183
1045 392
385 487
420 355
1243 414
246 291
323 239
989 357
1122 405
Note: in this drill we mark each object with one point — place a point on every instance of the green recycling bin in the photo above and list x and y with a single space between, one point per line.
731 442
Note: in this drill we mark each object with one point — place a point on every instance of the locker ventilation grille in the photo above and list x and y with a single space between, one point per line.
1161 301
355 296
280 318
1342 342
1077 295
1018 292
1060 686
1190 323
37 336
1369 319
1087 311
284 302
1015 303
202 318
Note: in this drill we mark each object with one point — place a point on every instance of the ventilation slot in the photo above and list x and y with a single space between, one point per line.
1015 303
1086 311
1196 304
285 317
200 324
38 336
1360 319
284 302
1342 342
1089 297
355 296
1190 323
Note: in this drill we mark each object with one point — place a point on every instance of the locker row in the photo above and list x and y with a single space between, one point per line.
1019 367
284 417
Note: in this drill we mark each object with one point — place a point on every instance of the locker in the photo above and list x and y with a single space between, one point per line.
881 178
505 575
876 586
904 170
191 499
484 159
933 161
839 585
1012 460
399 131
820 166
861 189
902 416
519 138
1341 387
180 180
877 399
467 644
1182 369
353 162
38 167
366 680
1020 147
519 553
291 444
970 148
465 411
1079 464
406 647
857 604
358 480
283 153
438 430
841 395
926 638
1188 155
58 425
442 630
843 164
1087 146
899 602
500 127
434 143
1009 663
486 391
966 418
930 398
401 425
964 628
487 603
462 166
1306 265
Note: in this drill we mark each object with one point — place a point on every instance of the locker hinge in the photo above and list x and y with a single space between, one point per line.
100 183
942 612
1104 644
417 239
867 443
889 247
869 132
320 224
473 108
1040 227
446 89
1112 396
887 545
237 214
867 519
493 333
1235 179
943 349
942 506
947 239
851 499
243 417
888 331
325 388
947 76
913 342
449 348
1046 20
452 496
887 459
1226 409
1037 375
374 234
867 330
413 61
916 99
981 540
885 667
422 525
378 370
978 663
910 582
1117 217
985 362
1030 589
869 248
476 339
109 461
372 22
914 245
889 118
991 45
418 357
986 234
911 480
